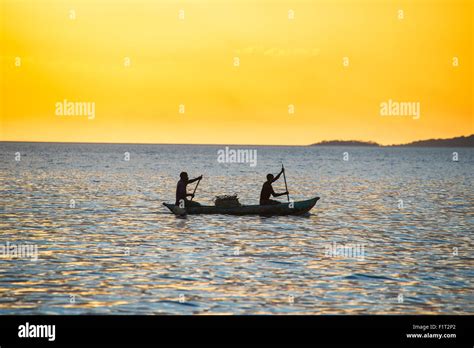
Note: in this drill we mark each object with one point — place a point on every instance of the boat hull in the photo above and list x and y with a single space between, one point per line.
298 208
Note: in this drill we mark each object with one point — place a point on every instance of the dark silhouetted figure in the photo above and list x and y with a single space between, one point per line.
267 190
181 193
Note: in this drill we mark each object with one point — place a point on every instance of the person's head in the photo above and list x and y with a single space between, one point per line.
270 177
184 176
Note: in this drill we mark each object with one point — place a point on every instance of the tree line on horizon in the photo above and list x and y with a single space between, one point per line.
452 142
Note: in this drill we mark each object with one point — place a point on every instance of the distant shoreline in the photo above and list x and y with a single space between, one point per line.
462 141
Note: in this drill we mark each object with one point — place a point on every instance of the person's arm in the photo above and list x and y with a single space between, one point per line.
280 194
195 179
278 176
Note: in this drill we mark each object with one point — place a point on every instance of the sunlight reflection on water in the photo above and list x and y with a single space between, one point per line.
119 251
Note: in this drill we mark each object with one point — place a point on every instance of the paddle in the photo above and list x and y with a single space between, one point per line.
286 186
195 188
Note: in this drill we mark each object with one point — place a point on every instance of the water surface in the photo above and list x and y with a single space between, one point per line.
117 250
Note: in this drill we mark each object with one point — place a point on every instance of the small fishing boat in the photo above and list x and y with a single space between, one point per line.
291 208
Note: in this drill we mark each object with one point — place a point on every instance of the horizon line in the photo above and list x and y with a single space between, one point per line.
219 144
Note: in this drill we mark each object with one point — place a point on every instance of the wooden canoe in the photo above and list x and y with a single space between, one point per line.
297 208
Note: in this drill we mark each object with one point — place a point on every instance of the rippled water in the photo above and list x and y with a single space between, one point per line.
117 250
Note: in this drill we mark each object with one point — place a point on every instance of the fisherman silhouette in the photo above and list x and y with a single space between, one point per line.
181 193
267 190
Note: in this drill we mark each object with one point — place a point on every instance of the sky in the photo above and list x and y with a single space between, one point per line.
235 71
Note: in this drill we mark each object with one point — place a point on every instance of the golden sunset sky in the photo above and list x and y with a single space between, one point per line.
186 53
